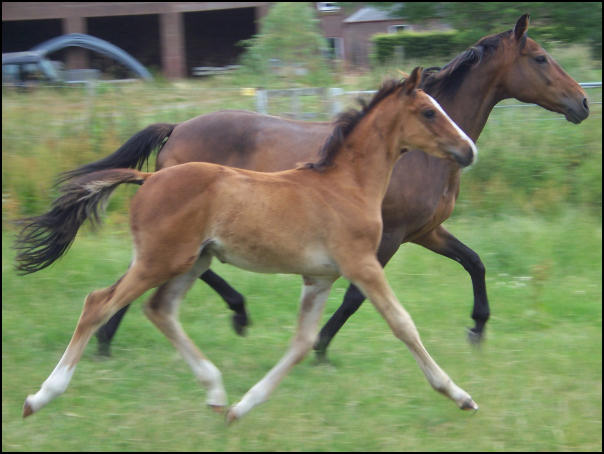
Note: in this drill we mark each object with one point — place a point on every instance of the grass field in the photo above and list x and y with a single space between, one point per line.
531 208
537 379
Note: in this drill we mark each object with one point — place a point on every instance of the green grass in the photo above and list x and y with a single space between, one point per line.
531 207
537 379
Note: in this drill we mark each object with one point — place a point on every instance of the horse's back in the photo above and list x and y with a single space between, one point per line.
245 140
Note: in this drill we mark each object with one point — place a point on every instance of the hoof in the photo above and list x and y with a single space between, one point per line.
474 337
469 404
217 408
230 416
240 323
27 409
104 350
321 358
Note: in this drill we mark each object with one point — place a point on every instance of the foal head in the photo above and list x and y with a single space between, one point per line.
426 126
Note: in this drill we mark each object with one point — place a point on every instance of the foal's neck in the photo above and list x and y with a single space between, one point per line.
367 156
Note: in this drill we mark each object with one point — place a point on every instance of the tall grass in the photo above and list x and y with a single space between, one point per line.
530 159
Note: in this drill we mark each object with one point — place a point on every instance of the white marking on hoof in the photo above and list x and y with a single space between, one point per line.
54 386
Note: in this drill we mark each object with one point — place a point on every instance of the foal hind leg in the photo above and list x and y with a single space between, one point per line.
162 310
314 294
369 276
99 306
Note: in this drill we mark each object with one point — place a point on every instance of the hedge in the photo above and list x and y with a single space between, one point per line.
415 45
442 43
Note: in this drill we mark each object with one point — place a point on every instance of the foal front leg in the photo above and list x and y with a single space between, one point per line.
391 241
99 306
369 276
314 294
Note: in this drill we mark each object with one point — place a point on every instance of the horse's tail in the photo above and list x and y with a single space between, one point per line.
131 154
43 239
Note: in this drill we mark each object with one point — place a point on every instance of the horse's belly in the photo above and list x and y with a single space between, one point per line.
274 258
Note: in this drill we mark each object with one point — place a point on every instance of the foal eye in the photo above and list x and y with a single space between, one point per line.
429 114
541 59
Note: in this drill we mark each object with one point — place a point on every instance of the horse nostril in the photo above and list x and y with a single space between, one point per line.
585 104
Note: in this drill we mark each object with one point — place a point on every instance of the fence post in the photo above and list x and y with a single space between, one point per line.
261 101
335 107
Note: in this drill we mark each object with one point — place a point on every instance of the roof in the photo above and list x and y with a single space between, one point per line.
369 14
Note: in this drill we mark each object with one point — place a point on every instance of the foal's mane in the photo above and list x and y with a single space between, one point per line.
445 81
345 123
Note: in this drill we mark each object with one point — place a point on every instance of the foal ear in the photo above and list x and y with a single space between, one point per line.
521 26
413 80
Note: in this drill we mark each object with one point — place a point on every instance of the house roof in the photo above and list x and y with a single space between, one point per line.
369 14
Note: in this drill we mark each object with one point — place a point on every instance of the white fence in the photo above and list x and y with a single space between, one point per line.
334 97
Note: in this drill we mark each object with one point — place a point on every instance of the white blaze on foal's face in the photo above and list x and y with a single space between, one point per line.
457 128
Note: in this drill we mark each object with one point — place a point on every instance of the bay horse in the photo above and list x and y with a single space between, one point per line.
320 221
423 189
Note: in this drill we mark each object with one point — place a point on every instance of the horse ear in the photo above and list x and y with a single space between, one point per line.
521 26
413 80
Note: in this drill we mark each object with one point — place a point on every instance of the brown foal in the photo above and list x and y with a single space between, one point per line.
321 220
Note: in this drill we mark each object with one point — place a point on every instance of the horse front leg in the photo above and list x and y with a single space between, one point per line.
232 297
369 276
442 242
106 332
314 294
353 298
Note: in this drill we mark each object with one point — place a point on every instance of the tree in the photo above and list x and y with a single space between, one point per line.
290 37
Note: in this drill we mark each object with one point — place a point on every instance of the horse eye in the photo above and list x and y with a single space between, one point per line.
541 59
429 114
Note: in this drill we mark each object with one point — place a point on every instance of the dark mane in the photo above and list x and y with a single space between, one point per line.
443 82
345 122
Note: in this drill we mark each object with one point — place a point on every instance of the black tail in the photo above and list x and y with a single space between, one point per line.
43 239
132 154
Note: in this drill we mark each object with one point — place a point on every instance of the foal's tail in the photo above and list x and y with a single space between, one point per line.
43 239
132 154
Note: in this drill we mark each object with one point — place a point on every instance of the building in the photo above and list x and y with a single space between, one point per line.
170 36
174 37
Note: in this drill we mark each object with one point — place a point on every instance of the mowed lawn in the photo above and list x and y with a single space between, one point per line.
537 378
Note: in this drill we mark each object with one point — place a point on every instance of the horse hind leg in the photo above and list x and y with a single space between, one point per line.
232 297
99 306
162 310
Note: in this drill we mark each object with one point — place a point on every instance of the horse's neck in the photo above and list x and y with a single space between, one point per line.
472 103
